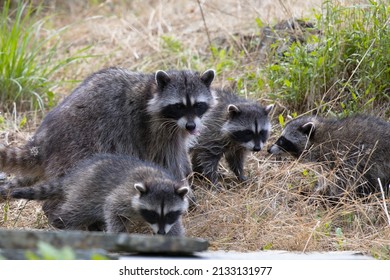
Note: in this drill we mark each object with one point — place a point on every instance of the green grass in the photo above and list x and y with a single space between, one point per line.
46 251
28 58
347 71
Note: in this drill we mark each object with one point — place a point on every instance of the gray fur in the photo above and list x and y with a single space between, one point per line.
111 191
360 142
114 111
232 113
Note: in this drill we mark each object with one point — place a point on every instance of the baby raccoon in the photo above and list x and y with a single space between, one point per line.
149 116
360 142
233 127
119 192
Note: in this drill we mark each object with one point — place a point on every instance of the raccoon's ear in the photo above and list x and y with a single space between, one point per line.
140 187
162 79
208 77
182 191
233 110
269 108
308 128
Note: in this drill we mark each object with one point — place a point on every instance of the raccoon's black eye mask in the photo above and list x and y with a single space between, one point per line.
288 146
247 135
200 108
172 217
263 135
153 218
150 216
243 136
178 110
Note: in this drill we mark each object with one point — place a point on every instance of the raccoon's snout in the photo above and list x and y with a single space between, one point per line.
257 148
190 126
161 231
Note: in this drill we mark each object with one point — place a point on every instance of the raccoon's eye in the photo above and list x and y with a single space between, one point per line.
200 108
281 141
150 216
263 135
172 217
179 106
243 135
174 111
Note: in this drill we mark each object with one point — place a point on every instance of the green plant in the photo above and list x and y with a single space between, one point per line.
340 238
46 251
174 52
28 58
347 68
267 246
5 211
223 59
381 252
172 44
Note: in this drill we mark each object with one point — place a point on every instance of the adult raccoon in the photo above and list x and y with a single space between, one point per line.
234 127
149 116
359 142
122 193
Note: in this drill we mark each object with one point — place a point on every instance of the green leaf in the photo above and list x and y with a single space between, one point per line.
281 121
339 232
287 83
98 257
23 122
50 252
267 246
259 22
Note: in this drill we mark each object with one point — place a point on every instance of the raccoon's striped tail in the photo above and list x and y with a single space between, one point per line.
41 191
25 160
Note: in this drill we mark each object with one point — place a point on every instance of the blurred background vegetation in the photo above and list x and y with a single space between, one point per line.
337 61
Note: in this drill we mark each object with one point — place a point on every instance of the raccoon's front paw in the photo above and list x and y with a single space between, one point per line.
242 178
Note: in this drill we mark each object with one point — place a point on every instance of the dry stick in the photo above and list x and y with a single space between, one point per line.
311 235
205 26
384 201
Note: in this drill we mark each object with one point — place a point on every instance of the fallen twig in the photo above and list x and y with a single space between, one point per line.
384 202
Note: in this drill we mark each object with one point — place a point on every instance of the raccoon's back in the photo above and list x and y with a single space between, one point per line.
359 140
357 130
111 170
102 115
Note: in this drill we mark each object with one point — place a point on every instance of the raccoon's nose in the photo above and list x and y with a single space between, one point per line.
256 148
190 126
161 231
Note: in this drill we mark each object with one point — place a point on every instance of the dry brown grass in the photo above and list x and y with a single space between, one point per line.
278 207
